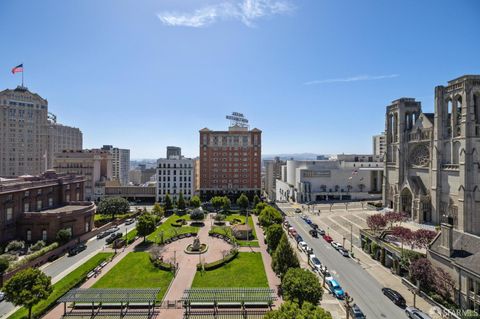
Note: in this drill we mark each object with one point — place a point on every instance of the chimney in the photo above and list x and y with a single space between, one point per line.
447 236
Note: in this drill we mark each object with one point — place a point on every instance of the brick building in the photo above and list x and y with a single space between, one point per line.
35 208
230 162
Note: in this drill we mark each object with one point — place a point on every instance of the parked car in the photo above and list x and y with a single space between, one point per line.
336 245
2 296
308 221
103 234
356 313
298 238
292 232
77 249
286 224
313 233
315 263
327 238
321 232
344 252
112 238
114 229
52 258
394 296
298 210
314 226
129 221
303 245
335 288
414 313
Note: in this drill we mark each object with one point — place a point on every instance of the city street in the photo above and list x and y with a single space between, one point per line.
364 289
64 265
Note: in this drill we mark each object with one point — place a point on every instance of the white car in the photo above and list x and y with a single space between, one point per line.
315 263
336 245
2 296
303 245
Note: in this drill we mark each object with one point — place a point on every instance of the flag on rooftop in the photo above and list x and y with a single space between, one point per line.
18 68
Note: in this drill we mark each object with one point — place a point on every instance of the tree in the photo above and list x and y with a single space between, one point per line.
217 202
422 270
168 204
112 206
63 236
4 263
284 257
243 202
395 217
157 210
301 285
269 216
444 284
197 214
256 200
27 288
226 203
274 234
259 207
145 225
195 201
181 202
291 310
404 234
423 237
376 222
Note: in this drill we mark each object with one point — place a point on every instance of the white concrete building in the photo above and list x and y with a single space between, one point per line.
379 144
120 163
349 177
175 175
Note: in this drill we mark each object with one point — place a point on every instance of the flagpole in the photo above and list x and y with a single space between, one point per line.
23 71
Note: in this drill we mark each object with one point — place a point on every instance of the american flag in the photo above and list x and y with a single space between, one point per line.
18 68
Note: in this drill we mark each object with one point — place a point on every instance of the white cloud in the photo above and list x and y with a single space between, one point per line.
247 11
353 79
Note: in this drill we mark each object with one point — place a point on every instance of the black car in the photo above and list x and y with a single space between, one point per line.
313 233
112 238
356 313
321 232
77 249
314 226
103 234
298 238
394 296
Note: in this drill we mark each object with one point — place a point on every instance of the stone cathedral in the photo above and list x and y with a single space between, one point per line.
432 160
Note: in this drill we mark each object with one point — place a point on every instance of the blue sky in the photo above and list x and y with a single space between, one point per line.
314 75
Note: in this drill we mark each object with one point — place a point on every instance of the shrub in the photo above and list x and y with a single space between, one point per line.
34 256
15 245
219 263
197 214
38 245
63 236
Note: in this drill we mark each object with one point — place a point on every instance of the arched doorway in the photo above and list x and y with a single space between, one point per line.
406 201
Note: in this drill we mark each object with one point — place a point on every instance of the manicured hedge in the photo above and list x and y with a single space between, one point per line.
68 282
33 256
219 263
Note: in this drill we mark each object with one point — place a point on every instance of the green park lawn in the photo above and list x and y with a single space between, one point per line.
61 287
247 270
170 231
136 271
226 231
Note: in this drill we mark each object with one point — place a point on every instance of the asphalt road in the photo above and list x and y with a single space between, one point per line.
364 289
65 263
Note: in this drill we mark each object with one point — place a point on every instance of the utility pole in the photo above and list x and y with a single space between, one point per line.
351 237
348 304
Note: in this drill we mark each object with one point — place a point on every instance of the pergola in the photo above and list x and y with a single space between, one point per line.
221 302
96 299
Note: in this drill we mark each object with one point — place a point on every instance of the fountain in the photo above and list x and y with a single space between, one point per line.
196 247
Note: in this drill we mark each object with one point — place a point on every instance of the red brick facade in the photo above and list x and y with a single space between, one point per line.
37 207
230 162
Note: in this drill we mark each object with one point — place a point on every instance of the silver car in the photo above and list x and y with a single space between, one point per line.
415 313
2 296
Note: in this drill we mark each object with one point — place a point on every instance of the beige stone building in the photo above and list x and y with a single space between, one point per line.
30 135
273 171
378 143
95 165
120 163
432 173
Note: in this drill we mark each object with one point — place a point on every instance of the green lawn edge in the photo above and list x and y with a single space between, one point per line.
61 287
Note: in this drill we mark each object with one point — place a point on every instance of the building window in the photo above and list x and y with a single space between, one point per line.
9 214
29 235
50 202
39 204
67 197
44 235
26 207
78 196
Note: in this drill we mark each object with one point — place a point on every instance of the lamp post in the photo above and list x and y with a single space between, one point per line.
324 276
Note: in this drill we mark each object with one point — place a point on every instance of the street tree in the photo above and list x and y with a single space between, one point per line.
168 204
256 200
274 234
226 204
112 206
284 257
444 284
145 225
157 210
404 234
63 236
259 207
27 288
291 310
217 202
395 217
243 202
376 222
269 216
195 201
421 270
301 285
181 202
423 237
